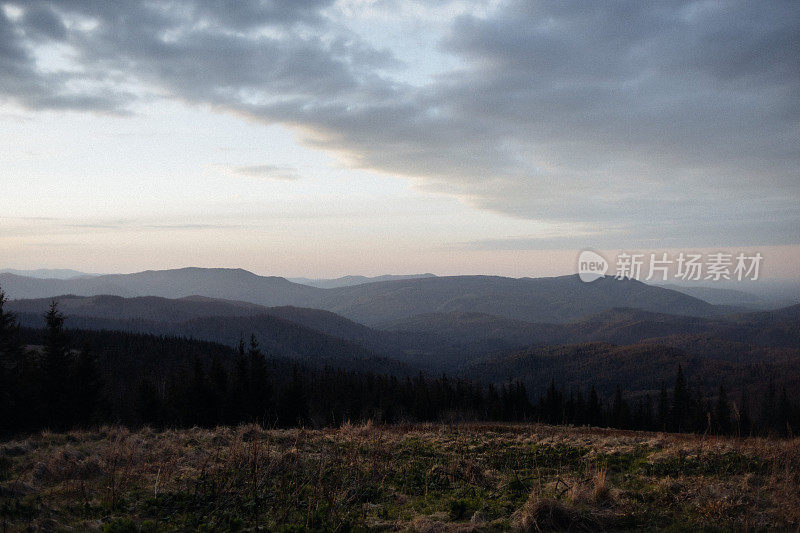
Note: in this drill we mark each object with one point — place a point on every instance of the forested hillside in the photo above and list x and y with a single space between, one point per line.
59 378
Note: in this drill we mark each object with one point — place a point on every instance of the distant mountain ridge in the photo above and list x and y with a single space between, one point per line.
549 300
557 299
222 283
49 273
140 307
718 296
349 281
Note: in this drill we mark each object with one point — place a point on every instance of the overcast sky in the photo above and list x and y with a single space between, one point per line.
322 138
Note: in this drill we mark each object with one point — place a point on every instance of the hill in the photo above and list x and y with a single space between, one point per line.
153 308
640 368
552 300
48 273
277 338
780 327
222 283
153 314
719 296
349 281
558 299
435 342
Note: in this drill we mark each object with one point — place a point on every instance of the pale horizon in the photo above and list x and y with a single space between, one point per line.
778 266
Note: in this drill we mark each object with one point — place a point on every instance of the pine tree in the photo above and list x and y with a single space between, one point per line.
663 409
581 416
239 395
745 423
595 409
680 404
769 420
218 391
203 411
554 404
648 414
10 363
700 412
86 387
293 403
421 404
260 392
494 408
722 412
784 414
518 402
10 349
147 404
643 417
56 370
619 411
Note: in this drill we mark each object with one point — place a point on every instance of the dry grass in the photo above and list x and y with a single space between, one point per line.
471 477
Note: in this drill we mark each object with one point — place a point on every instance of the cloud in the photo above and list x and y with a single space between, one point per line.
268 172
646 121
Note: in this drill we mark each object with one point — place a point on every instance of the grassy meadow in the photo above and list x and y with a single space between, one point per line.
469 477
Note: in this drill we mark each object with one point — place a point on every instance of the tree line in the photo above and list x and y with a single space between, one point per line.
680 408
139 380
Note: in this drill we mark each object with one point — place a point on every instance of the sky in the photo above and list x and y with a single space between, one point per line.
321 138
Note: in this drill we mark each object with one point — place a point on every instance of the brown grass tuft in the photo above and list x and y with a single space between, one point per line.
602 488
540 513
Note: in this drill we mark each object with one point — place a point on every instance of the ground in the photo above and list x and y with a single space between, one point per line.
467 477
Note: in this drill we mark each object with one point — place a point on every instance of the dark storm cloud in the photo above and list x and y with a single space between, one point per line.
641 120
42 21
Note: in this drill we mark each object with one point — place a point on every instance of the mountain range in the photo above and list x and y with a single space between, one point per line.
430 341
479 326
720 296
557 299
349 281
48 273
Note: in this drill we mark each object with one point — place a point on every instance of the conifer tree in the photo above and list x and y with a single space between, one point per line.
10 366
259 385
240 385
663 409
554 404
722 412
745 423
494 408
55 371
769 407
784 414
86 387
293 404
594 408
201 413
218 391
580 409
648 413
680 404
147 404
619 411
10 349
